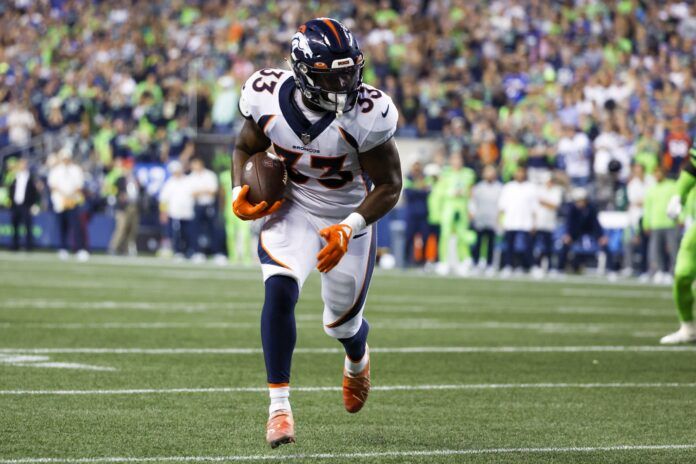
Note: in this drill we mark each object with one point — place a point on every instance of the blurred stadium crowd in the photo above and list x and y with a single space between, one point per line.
550 112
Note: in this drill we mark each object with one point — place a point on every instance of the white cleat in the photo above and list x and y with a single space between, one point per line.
442 269
82 256
685 334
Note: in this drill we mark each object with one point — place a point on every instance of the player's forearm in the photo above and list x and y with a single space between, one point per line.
239 157
379 201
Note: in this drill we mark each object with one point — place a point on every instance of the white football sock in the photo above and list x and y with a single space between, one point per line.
280 399
356 367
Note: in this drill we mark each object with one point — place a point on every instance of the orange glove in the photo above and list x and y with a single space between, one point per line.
248 212
337 237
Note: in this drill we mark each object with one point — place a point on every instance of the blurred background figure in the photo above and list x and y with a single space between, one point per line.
66 181
204 187
636 253
517 206
225 105
237 232
574 156
23 195
484 208
584 236
454 187
662 232
177 211
416 190
127 217
550 197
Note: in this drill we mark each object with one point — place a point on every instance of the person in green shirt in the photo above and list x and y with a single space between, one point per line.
237 232
512 155
454 191
683 204
662 230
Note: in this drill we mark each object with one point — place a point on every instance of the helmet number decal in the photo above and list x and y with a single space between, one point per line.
261 85
366 102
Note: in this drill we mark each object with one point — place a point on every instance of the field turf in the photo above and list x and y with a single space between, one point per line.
147 360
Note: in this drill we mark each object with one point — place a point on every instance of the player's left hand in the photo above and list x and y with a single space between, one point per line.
337 237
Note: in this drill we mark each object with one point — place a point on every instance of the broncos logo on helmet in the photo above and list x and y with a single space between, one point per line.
327 63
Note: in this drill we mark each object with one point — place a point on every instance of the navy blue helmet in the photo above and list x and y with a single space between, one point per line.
328 64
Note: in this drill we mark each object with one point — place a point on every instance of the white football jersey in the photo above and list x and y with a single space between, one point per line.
320 151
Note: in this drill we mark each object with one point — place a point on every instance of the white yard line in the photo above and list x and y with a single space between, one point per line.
349 456
317 389
409 350
382 324
658 293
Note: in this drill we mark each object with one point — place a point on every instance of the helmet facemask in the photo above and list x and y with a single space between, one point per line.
333 89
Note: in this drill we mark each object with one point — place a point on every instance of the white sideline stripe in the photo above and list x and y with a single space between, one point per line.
344 456
480 386
414 349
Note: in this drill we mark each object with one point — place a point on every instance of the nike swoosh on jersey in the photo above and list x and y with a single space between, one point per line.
384 114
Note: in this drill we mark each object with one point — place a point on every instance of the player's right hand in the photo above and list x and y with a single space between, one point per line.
249 212
674 207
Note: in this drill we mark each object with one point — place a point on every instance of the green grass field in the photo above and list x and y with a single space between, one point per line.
145 360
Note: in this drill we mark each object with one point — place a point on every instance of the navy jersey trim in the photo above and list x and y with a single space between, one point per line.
348 138
297 121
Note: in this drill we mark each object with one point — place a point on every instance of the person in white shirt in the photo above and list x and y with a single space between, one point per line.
517 206
176 209
20 123
204 187
549 198
574 156
484 211
66 181
637 240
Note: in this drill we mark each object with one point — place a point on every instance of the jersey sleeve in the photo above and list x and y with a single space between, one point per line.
380 123
259 93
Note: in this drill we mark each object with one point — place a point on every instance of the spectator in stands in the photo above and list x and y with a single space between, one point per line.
677 144
416 191
21 123
637 240
574 156
584 235
484 208
204 188
23 194
225 106
517 206
177 210
178 145
549 197
66 181
662 231
123 240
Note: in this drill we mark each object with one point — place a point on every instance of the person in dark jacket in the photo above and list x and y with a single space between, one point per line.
416 191
582 225
23 195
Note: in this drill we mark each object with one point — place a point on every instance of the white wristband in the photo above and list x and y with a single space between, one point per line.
235 193
356 222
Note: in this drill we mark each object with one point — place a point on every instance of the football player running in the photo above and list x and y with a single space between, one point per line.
685 268
335 135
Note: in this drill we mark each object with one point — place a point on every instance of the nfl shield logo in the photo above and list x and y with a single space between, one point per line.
306 138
